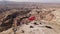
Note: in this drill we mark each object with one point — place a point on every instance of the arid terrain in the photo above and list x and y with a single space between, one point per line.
31 18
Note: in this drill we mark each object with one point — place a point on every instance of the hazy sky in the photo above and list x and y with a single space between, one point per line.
44 1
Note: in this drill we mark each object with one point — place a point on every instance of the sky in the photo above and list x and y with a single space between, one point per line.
43 1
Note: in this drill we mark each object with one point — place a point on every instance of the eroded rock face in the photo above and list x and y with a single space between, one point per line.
42 24
8 20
